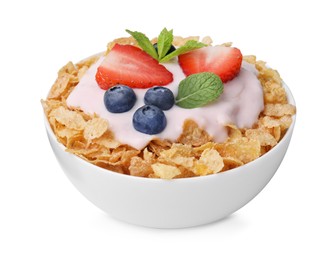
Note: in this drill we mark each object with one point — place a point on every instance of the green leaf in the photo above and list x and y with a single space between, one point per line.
189 46
164 42
198 90
144 43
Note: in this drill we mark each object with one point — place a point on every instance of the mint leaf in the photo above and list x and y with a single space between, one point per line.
164 42
189 46
144 42
198 90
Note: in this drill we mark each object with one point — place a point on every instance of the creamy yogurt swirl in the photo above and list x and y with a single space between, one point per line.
240 104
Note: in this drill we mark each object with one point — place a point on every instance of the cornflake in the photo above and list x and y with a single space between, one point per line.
68 118
262 135
95 128
243 149
279 110
193 135
211 160
140 167
165 171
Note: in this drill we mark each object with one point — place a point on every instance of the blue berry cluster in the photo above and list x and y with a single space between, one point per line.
148 119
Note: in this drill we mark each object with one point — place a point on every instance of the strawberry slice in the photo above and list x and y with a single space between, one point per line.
130 66
221 60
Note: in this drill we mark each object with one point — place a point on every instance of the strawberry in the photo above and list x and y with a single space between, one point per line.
221 60
130 66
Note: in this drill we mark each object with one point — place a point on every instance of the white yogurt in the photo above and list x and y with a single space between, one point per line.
240 104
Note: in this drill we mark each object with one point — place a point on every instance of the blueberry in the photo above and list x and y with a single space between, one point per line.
160 97
119 99
172 48
149 119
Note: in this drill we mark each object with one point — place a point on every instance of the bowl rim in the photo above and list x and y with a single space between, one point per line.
101 170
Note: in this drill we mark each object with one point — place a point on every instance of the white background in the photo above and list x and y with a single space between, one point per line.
44 217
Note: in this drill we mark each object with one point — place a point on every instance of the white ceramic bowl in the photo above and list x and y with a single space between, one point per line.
175 203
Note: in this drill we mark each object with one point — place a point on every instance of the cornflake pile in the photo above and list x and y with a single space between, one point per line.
194 153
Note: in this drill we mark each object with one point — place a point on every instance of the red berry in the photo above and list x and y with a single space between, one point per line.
221 60
130 66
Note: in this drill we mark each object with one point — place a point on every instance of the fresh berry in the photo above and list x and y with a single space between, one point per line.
129 65
221 60
119 99
149 119
172 49
160 97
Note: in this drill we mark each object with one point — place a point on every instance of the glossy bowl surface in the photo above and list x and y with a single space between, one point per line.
175 203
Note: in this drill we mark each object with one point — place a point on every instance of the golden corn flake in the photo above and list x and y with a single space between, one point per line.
165 171
67 132
98 152
50 104
69 68
285 122
108 166
157 146
117 153
207 40
179 154
70 119
227 44
179 41
121 156
193 135
276 132
250 59
233 132
269 122
212 160
263 136
231 163
267 74
178 150
60 86
140 167
95 128
148 156
187 162
198 150
126 157
107 140
279 110
274 93
243 149
88 153
185 173
201 169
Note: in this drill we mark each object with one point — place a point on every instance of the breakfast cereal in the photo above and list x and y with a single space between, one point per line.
193 153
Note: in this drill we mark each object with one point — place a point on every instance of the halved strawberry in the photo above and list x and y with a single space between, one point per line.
130 66
221 60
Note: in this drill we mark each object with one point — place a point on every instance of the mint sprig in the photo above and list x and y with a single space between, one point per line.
164 42
198 90
144 42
